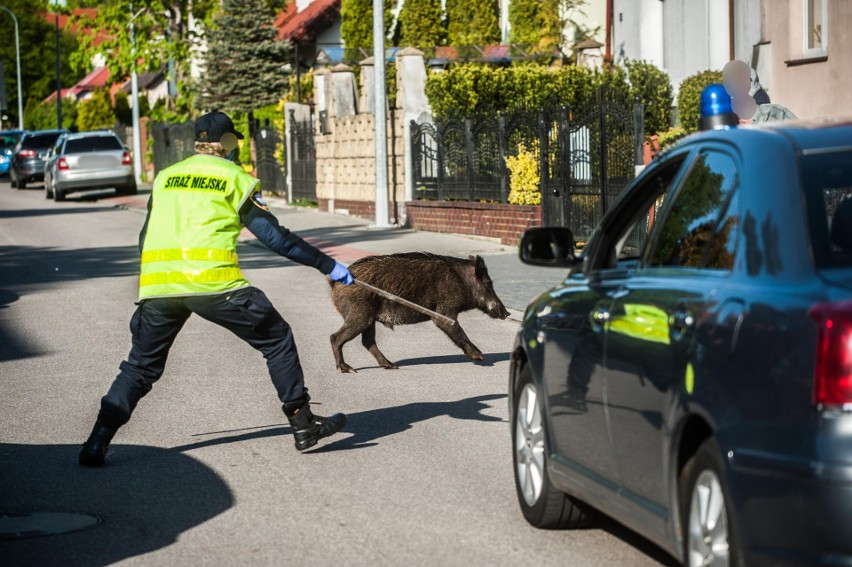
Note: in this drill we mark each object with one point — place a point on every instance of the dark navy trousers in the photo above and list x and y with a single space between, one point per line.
246 312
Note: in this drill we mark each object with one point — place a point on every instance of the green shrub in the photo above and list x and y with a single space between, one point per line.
356 22
535 23
654 89
689 98
670 136
96 112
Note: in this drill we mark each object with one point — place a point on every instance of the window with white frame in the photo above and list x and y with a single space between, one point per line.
815 18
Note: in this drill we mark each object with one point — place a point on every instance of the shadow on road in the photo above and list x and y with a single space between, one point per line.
146 498
11 345
490 359
368 426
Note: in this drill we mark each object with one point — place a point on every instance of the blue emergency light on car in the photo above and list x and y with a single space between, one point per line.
716 109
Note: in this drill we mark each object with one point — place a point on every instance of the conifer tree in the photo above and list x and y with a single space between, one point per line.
245 62
421 23
356 22
473 22
535 23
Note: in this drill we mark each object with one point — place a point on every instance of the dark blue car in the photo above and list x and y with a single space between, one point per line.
692 375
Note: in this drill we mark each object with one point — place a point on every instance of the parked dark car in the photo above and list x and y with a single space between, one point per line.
88 160
691 377
8 140
28 157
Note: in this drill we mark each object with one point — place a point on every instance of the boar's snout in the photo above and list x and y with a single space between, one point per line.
496 310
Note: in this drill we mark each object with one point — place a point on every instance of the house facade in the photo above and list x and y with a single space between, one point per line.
797 47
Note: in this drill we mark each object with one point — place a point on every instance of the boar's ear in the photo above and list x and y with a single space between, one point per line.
479 266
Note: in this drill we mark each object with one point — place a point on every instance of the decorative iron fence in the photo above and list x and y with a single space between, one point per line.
267 166
587 155
303 170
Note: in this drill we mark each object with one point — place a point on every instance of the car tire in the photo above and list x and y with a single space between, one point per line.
22 184
542 505
707 526
12 181
58 195
48 194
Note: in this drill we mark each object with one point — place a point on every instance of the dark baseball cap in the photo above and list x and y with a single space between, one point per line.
211 127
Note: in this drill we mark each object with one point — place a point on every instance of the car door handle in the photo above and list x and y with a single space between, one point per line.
680 321
598 317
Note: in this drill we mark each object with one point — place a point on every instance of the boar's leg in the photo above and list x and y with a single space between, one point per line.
458 336
368 339
343 335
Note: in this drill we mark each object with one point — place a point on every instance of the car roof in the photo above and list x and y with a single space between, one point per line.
40 132
89 134
801 136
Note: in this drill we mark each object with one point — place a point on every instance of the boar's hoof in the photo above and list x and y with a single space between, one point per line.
391 366
475 355
346 369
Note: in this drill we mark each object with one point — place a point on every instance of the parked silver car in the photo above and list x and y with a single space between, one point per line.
88 160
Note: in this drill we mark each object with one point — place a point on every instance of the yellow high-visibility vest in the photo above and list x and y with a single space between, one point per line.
190 244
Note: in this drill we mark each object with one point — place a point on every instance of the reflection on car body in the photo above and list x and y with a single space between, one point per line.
690 377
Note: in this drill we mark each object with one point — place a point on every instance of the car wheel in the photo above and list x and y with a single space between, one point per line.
12 181
47 192
58 195
542 505
709 538
22 184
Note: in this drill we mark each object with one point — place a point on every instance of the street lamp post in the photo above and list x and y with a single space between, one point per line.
134 93
58 71
18 55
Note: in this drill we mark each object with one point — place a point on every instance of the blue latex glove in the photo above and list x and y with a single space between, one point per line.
340 273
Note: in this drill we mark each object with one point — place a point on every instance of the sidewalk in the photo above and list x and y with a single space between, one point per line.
348 239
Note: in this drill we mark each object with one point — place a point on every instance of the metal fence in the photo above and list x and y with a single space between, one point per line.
303 170
587 155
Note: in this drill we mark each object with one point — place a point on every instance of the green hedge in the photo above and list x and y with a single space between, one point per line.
470 88
654 89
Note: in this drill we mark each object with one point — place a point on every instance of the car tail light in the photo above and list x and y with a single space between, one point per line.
62 164
125 158
833 370
27 153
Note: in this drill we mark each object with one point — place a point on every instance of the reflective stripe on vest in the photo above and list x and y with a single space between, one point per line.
193 276
170 255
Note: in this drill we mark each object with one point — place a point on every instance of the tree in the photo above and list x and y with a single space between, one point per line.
356 22
162 33
245 62
38 56
535 23
96 112
421 23
473 22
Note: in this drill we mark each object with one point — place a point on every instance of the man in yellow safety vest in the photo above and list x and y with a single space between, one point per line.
189 265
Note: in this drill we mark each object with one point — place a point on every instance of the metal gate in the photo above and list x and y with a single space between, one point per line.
268 169
303 170
172 143
587 156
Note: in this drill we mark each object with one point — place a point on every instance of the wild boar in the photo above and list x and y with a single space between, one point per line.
444 284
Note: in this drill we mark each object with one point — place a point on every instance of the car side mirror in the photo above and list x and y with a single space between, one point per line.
548 246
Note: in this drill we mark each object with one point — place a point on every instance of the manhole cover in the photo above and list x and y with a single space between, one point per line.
44 524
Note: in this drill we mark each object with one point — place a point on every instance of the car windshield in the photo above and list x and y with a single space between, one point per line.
39 141
827 181
92 144
7 142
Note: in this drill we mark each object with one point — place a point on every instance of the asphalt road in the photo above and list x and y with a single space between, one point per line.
206 473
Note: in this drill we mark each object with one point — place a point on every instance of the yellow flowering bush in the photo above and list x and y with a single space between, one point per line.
524 178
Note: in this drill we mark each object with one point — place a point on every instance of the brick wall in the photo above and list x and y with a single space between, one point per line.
505 222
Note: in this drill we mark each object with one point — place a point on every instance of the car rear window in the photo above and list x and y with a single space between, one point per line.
39 141
827 181
93 144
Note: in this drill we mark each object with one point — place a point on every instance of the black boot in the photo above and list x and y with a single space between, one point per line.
95 448
309 428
